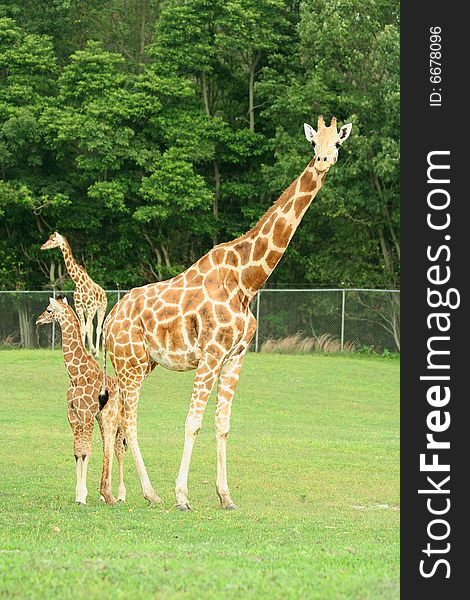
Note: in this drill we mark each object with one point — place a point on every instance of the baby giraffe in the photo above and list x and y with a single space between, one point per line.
83 403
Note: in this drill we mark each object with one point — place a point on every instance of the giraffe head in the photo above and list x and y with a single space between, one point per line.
326 142
56 311
55 240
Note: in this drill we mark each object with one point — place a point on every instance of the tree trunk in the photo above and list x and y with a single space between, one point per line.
395 240
207 108
387 256
251 99
215 205
387 215
205 93
52 273
396 321
251 91
27 337
192 253
157 253
61 274
143 16
166 256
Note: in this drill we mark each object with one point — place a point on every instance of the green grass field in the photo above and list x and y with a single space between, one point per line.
312 461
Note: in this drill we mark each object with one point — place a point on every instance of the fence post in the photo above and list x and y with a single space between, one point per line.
342 318
257 320
53 324
118 292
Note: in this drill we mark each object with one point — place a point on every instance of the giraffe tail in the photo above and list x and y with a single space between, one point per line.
103 395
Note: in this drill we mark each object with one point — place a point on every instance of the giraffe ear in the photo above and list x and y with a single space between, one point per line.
65 301
56 305
310 132
344 132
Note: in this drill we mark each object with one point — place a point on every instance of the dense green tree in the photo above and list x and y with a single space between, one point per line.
27 70
147 131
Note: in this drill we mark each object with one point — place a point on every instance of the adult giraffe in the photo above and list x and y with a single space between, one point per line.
89 298
201 319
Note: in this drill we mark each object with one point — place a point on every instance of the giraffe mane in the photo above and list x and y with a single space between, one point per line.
271 210
76 325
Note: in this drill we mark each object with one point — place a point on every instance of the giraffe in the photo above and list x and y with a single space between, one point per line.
201 318
83 404
89 298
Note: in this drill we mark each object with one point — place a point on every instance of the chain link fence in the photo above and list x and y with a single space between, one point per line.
289 320
327 320
19 311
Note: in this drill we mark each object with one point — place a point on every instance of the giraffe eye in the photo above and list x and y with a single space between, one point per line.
338 144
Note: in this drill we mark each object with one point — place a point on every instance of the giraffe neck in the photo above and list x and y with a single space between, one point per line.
75 353
73 267
266 243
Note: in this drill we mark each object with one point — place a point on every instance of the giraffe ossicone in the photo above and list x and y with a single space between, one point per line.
89 298
201 318
83 405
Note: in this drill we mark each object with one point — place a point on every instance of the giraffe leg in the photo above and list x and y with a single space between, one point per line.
81 317
78 469
84 492
130 391
77 446
204 380
108 428
84 458
225 391
120 451
147 490
89 330
99 328
106 474
100 423
105 425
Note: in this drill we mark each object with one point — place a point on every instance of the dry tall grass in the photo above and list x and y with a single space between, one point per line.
298 344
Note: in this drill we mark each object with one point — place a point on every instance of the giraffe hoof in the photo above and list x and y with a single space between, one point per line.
80 503
183 507
153 498
108 500
121 500
102 499
231 506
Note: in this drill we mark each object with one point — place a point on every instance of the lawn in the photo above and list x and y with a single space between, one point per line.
312 462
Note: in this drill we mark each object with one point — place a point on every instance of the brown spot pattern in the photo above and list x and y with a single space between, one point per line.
301 204
273 258
254 277
307 182
282 233
261 245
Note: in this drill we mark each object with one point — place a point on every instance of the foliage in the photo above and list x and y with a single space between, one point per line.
148 131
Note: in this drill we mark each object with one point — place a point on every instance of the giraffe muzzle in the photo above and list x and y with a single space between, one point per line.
323 163
46 246
42 320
